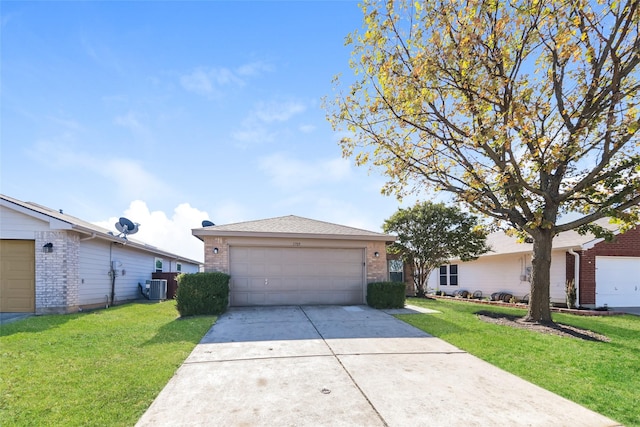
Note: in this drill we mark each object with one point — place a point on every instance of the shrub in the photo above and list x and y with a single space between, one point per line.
202 293
386 294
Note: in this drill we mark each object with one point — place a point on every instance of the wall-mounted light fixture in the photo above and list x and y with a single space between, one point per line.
47 248
215 250
376 254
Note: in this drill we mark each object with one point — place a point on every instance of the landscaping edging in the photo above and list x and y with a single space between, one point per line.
524 306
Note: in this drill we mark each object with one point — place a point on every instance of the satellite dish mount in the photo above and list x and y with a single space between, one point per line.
126 227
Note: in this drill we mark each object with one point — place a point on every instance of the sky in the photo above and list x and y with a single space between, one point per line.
171 113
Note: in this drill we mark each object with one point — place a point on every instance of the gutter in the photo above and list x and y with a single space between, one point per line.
92 236
576 274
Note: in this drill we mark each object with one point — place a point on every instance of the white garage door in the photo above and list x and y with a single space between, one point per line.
617 281
296 276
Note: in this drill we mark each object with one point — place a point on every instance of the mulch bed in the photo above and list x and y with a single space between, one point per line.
553 329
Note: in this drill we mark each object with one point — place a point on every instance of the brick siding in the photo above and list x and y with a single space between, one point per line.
216 261
57 272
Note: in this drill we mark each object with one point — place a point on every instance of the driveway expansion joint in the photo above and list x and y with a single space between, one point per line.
353 381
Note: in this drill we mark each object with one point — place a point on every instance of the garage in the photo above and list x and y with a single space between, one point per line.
17 276
617 281
296 276
292 260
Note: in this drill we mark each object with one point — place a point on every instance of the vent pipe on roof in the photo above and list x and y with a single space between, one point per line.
576 274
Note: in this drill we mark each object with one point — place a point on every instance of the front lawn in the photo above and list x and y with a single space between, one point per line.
602 376
99 368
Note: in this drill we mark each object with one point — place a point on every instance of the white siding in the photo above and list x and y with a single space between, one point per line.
15 225
502 273
132 267
95 284
137 267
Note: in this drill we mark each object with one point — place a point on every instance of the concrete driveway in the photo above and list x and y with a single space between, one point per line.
346 366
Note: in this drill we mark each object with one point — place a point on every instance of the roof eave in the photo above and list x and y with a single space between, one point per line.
199 232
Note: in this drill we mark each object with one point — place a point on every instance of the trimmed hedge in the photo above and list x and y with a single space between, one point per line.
202 293
386 294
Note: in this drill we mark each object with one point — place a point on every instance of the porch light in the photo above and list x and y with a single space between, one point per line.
376 254
47 248
215 250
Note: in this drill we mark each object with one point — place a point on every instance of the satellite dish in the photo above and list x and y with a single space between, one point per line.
124 222
125 226
207 223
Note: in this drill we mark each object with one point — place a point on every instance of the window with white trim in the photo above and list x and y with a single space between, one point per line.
158 264
449 275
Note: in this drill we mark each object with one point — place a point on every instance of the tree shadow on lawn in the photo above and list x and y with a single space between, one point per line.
552 329
435 323
180 330
35 324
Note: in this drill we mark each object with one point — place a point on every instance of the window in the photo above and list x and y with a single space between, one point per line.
158 265
178 267
449 275
443 275
396 270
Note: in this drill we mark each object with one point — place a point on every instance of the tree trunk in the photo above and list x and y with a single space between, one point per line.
539 310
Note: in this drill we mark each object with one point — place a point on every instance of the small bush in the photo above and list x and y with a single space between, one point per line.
202 293
386 294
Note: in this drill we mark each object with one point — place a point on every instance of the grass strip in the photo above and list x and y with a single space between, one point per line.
602 376
92 369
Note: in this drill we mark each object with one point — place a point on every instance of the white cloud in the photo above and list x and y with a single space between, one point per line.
255 68
290 173
209 80
255 127
133 123
278 111
129 177
306 128
253 135
172 234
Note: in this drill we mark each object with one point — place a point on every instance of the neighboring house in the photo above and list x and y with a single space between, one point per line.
56 263
608 273
291 260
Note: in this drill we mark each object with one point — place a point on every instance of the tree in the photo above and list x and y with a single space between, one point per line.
525 110
429 235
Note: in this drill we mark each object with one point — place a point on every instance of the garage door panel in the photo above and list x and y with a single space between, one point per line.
17 276
296 276
618 281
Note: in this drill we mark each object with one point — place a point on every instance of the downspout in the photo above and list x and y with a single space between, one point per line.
112 273
576 274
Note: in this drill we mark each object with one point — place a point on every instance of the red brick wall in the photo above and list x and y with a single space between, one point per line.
627 244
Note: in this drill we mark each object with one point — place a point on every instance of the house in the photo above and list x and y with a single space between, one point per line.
55 263
292 260
605 273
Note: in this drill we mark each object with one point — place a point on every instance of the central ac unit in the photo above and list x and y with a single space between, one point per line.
158 289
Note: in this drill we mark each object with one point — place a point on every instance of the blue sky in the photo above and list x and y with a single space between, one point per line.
174 112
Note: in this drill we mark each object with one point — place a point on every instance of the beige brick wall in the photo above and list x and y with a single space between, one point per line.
57 272
377 268
216 261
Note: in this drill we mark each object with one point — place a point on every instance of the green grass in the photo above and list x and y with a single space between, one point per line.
99 368
602 376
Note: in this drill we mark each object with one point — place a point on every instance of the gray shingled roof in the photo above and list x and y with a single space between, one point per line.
85 227
290 226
